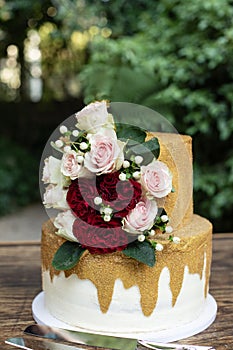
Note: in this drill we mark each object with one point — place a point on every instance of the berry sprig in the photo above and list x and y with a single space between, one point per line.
131 168
81 143
105 210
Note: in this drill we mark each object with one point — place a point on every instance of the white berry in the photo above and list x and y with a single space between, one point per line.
107 218
176 240
67 149
75 133
80 159
151 232
83 146
59 143
168 229
138 159
107 211
122 176
63 129
159 247
126 164
137 175
97 200
164 218
141 238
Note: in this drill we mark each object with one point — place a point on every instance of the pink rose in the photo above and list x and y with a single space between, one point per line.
55 197
156 179
70 166
141 218
92 117
106 154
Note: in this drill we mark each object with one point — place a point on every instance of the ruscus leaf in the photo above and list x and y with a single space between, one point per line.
67 255
148 150
130 132
153 146
141 251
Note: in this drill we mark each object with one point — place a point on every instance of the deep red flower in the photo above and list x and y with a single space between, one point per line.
90 229
100 237
122 196
80 197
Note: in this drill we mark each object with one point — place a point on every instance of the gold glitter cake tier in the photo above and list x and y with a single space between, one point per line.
193 252
176 153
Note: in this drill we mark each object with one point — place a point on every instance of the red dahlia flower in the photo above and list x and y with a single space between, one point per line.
100 237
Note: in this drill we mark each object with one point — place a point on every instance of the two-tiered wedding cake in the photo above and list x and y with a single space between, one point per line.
125 253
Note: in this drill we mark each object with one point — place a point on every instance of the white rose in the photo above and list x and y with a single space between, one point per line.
93 116
141 218
52 171
55 197
70 165
156 179
64 223
105 155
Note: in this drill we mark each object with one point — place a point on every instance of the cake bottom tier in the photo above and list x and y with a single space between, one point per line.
114 293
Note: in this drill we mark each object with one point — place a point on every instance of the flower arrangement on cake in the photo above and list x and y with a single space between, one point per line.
106 184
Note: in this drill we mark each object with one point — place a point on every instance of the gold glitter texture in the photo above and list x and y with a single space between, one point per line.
104 270
176 153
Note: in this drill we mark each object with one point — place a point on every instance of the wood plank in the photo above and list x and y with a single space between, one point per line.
20 282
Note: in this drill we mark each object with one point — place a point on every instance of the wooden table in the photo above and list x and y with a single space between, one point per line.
20 282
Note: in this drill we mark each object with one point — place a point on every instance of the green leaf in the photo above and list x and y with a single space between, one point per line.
67 255
141 251
153 146
161 211
130 132
148 150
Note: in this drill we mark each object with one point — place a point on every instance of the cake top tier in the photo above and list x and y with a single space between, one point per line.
176 153
115 185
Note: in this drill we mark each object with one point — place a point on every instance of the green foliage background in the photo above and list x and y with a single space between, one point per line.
179 62
18 176
174 56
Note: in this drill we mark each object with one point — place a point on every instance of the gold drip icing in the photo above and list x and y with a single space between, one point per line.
193 252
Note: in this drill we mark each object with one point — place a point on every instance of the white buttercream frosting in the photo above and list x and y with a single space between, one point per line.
75 301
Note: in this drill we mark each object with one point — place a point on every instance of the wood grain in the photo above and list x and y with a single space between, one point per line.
20 282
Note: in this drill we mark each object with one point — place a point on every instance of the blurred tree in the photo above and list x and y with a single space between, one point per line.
16 188
175 56
16 18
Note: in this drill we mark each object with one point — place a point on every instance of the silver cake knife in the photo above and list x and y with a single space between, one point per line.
38 344
104 341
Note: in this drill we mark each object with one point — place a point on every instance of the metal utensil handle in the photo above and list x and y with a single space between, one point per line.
172 346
